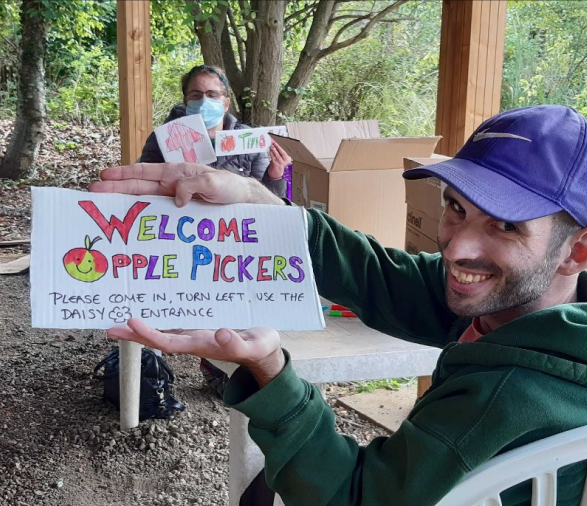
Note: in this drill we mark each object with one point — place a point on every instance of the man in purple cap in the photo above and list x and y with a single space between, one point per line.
506 298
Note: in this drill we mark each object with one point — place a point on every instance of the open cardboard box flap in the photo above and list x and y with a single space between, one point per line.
379 154
323 138
360 154
298 151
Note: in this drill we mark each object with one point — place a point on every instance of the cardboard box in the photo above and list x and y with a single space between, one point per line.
421 222
348 171
424 207
417 242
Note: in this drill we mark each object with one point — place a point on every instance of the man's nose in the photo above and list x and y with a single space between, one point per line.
466 243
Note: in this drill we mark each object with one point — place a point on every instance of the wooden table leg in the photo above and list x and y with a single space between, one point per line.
424 383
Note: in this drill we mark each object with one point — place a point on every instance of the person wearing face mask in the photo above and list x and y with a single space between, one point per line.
206 92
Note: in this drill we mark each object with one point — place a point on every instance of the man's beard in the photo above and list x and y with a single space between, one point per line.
522 285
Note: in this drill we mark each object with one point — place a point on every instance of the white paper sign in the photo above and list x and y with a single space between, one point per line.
244 141
99 259
185 140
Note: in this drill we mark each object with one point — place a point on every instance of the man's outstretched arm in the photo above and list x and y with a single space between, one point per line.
184 181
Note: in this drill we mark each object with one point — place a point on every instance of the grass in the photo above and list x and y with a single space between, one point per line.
387 384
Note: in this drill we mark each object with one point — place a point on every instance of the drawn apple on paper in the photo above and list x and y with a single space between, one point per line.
85 264
228 143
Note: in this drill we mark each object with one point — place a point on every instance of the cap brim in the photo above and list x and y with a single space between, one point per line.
491 192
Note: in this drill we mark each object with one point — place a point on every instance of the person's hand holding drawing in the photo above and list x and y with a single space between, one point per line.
279 161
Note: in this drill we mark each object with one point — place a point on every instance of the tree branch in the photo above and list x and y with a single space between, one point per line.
234 74
308 7
219 25
10 43
299 22
335 45
240 43
346 26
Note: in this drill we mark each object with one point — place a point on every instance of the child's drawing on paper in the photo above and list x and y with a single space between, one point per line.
185 140
246 141
228 144
183 137
86 264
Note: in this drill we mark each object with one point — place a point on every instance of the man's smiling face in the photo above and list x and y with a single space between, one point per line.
493 265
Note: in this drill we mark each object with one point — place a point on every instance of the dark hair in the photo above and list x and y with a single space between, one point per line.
563 226
204 69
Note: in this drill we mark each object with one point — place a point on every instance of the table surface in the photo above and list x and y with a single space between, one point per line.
348 350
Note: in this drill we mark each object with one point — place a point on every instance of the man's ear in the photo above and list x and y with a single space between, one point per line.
576 261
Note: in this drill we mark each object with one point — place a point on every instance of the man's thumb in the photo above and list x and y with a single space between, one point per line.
225 336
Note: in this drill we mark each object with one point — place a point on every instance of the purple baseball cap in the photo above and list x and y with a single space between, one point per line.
521 164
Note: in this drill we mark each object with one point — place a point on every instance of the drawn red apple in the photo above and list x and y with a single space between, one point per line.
228 143
85 264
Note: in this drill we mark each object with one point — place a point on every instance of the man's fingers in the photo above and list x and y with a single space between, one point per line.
153 171
242 347
183 192
144 171
130 187
231 343
200 342
204 186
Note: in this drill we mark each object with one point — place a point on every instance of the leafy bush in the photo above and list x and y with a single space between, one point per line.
544 60
167 70
89 92
391 76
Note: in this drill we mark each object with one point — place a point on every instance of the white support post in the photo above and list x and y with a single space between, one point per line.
130 383
245 458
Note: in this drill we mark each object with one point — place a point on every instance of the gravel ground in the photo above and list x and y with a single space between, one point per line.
60 443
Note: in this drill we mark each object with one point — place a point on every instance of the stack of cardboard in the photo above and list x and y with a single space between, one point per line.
424 207
348 171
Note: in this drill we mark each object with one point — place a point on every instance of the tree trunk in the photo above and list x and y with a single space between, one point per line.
269 63
28 131
288 100
210 40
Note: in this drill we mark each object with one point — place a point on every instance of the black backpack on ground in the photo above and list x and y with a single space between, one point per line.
156 381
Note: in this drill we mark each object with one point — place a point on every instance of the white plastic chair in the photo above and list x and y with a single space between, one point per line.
538 461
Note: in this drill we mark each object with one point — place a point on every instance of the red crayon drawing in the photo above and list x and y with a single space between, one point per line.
183 137
228 143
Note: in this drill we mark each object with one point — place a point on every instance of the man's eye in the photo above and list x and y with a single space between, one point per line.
455 206
506 226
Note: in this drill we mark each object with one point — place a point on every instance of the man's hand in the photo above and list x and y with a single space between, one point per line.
184 181
258 349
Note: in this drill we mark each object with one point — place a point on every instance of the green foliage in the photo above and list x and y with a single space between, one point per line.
88 91
9 44
545 58
78 26
171 26
386 384
392 76
167 72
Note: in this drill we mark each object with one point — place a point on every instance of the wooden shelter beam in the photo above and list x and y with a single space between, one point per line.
471 59
134 70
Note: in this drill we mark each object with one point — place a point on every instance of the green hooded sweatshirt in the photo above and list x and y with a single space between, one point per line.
522 382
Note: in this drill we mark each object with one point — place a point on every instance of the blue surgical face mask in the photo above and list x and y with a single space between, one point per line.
212 111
